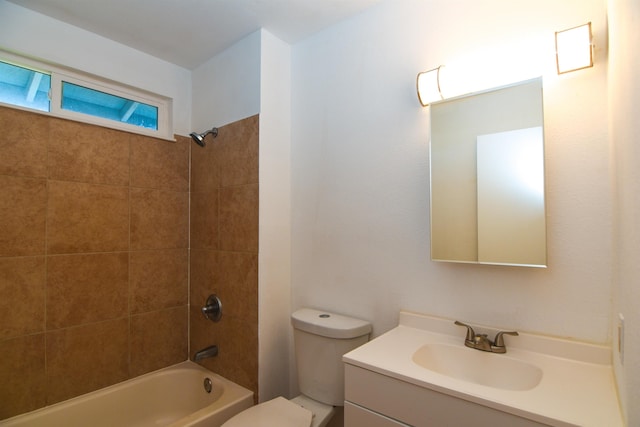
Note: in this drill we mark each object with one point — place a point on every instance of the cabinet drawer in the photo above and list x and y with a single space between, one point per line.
357 416
418 406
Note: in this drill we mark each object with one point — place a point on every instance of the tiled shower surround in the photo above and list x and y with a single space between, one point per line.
224 249
94 259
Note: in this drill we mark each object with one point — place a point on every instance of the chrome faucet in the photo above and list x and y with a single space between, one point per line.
482 341
210 351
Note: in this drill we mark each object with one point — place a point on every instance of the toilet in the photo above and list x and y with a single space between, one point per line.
320 340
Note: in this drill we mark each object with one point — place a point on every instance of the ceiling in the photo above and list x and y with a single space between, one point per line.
190 32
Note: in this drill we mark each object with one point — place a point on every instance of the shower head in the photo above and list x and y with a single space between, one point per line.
198 138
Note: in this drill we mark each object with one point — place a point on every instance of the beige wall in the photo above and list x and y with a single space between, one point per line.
93 257
224 249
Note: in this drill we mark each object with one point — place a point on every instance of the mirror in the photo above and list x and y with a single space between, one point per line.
487 177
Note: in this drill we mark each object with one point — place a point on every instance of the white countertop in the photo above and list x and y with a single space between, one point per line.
577 386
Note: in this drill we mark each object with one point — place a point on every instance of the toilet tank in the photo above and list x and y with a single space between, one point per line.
321 339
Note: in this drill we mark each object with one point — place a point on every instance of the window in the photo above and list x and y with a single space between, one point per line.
73 95
100 104
24 87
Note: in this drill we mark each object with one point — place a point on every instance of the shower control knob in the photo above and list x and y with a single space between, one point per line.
213 308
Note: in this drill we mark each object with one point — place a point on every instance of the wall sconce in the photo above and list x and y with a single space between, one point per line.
428 86
574 50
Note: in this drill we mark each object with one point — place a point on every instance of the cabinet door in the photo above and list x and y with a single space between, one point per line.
357 416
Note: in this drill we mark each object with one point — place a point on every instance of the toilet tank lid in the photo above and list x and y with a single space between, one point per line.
329 324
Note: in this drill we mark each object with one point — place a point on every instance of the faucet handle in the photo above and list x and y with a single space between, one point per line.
471 335
212 309
499 340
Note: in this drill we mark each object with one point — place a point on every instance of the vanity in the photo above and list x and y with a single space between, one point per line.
422 374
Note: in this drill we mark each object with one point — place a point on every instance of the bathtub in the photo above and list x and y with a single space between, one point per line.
172 397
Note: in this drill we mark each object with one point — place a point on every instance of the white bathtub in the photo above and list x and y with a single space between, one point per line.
174 396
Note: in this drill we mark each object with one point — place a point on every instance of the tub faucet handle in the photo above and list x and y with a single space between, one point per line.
212 309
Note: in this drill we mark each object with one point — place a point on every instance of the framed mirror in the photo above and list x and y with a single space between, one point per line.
487 177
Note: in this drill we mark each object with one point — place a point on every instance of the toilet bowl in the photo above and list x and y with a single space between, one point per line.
320 340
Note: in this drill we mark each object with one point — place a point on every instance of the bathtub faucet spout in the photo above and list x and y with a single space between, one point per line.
210 351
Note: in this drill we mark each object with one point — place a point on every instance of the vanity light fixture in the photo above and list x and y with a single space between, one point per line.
574 49
428 86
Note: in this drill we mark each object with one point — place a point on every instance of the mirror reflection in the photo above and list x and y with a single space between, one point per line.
487 177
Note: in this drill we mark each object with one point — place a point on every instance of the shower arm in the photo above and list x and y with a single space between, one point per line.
198 138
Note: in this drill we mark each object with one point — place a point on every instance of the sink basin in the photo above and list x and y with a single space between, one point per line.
479 367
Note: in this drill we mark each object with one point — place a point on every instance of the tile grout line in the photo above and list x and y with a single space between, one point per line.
46 267
129 291
189 189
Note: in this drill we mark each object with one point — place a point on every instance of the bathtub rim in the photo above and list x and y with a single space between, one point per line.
234 394
235 399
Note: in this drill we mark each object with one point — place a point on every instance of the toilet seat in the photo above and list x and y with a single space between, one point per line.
278 412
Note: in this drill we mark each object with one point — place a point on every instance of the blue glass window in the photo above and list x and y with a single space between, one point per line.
73 95
100 104
24 87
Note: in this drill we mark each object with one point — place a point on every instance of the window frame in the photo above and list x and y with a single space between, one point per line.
61 74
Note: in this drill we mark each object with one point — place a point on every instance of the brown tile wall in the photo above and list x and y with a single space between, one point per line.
94 257
224 249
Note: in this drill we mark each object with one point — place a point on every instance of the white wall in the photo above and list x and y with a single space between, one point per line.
227 87
360 195
274 258
40 37
254 76
624 111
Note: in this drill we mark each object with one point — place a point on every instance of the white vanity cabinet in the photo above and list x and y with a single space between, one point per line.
376 400
420 374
